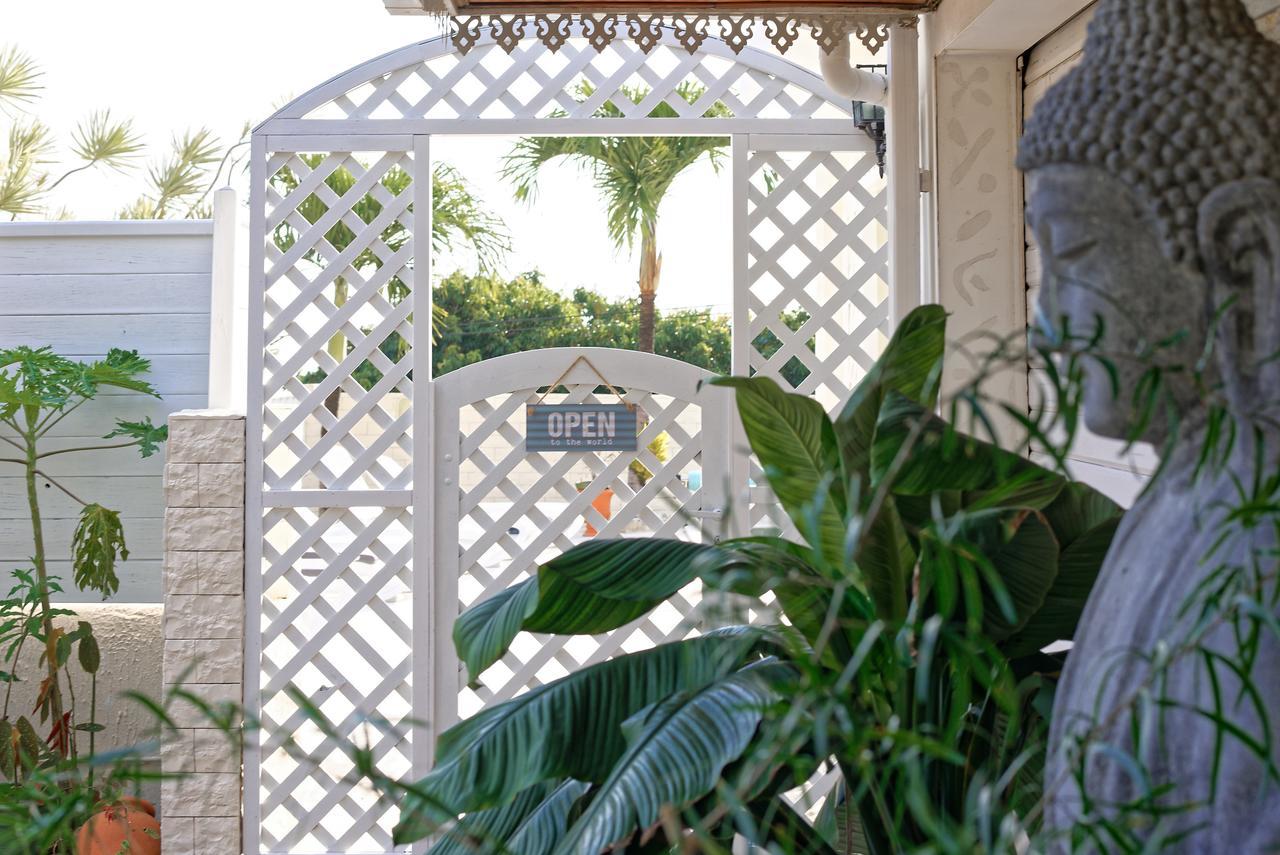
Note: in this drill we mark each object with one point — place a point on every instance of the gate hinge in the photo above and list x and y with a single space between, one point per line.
926 181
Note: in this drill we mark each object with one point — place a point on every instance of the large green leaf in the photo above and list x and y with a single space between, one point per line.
910 365
796 444
546 826
1084 522
593 588
923 455
787 570
530 824
1057 618
675 754
886 560
570 728
1027 566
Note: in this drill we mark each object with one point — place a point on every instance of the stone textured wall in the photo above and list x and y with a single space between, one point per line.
203 627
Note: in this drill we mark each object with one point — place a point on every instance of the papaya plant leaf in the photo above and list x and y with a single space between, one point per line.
8 749
31 750
95 547
89 653
796 444
147 436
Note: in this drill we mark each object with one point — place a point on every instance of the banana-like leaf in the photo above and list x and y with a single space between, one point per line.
593 588
796 444
887 560
940 458
1057 618
546 826
786 569
676 751
1027 566
910 365
530 825
571 728
1084 522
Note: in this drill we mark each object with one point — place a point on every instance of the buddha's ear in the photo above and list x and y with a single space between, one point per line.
1239 237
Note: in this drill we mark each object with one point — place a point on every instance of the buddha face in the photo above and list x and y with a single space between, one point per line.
1105 273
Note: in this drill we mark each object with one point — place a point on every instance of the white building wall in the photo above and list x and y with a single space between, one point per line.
83 288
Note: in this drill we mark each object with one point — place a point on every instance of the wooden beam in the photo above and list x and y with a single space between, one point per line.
705 7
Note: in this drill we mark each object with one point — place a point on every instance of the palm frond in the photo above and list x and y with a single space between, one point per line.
99 139
19 77
632 174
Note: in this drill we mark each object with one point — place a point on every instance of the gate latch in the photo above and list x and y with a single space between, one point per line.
712 514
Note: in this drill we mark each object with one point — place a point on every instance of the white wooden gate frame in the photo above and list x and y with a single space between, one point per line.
395 103
522 378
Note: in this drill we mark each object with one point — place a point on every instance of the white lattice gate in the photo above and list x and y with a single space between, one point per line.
380 499
501 511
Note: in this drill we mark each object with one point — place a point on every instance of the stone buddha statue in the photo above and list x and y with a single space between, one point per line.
1153 172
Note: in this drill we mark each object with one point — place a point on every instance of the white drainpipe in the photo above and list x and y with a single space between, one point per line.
850 82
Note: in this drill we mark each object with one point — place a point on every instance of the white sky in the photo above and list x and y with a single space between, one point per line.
173 66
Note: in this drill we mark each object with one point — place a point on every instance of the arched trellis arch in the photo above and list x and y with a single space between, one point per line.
339 551
430 87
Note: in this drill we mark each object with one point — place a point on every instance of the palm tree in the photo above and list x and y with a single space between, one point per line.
633 174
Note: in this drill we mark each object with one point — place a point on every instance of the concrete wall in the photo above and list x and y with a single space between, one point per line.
83 288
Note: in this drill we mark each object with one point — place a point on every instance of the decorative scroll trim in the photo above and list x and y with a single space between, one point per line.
690 30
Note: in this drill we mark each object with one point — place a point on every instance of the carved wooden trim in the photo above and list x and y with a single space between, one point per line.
691 29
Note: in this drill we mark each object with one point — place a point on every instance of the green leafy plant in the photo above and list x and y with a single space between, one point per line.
38 389
661 449
45 797
931 570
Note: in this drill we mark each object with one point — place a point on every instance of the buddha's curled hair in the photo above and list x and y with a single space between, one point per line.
1174 98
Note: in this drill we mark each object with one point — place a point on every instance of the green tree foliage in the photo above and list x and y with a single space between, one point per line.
633 175
480 316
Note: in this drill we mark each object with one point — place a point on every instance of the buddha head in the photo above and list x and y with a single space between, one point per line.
1153 173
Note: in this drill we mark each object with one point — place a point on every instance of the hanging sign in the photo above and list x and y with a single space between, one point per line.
580 427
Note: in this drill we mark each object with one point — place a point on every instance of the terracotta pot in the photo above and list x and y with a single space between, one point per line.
603 504
132 822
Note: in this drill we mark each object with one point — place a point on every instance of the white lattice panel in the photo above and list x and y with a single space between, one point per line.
347 277
336 624
816 292
343 611
502 82
335 610
495 532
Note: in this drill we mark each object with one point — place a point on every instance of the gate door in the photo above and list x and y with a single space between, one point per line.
500 511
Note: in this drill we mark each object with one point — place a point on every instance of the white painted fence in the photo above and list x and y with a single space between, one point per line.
83 288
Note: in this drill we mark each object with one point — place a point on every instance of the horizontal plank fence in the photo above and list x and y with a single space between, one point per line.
83 288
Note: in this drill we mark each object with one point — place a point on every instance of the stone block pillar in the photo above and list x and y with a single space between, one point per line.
203 627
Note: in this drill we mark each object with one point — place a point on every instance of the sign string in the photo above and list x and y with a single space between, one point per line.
583 359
